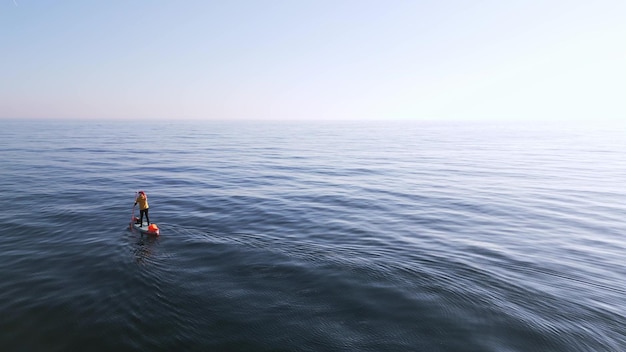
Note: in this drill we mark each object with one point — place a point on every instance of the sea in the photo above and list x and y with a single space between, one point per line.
313 236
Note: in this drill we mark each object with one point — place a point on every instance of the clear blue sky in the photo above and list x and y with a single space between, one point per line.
296 59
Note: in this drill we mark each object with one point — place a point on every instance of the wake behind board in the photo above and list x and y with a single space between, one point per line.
152 229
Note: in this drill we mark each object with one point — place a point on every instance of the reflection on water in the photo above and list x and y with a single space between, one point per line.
144 247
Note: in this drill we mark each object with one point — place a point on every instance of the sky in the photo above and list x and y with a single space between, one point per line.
315 60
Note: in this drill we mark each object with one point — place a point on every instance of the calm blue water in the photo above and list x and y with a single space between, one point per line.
313 237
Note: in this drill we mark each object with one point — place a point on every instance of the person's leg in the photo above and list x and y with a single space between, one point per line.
147 217
141 217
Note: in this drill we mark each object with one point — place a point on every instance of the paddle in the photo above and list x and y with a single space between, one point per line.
132 216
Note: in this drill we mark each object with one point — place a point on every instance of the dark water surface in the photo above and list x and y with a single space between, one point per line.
313 237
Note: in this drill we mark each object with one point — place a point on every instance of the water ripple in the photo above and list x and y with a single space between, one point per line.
305 237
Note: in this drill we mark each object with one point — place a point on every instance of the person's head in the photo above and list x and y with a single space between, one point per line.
142 194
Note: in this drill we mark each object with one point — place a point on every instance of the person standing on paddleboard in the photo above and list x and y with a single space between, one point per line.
142 200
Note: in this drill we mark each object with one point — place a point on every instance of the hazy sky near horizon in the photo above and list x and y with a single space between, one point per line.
327 60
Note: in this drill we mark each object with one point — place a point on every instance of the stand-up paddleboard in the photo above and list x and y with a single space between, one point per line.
151 229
